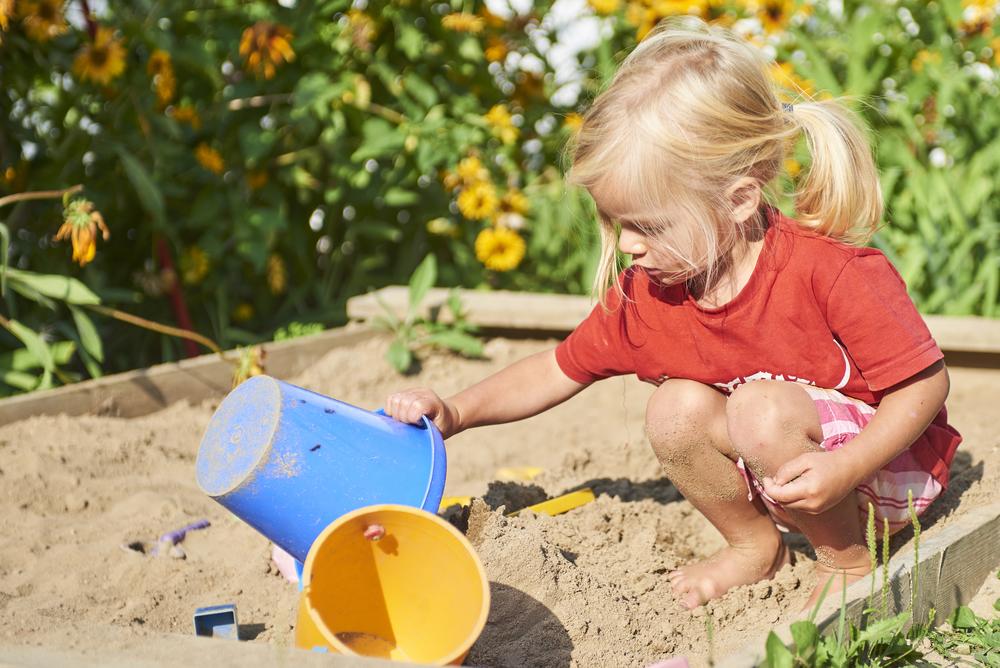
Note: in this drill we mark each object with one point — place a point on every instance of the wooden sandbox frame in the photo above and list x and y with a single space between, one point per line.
954 563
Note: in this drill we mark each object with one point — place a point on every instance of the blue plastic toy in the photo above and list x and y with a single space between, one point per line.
217 621
289 461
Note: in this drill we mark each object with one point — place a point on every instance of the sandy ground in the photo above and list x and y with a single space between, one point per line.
586 588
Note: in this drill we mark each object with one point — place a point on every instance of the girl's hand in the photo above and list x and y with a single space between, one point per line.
410 406
812 483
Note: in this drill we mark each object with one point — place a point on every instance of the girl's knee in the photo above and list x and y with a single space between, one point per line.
763 416
682 411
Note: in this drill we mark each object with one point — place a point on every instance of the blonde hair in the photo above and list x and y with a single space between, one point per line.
691 111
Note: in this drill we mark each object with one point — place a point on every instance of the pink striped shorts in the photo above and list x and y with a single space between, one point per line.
842 419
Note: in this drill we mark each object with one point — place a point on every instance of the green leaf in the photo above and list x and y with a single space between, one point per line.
963 618
34 343
806 636
399 197
411 41
69 290
458 341
421 281
93 366
882 630
149 194
4 250
421 91
19 379
89 338
778 656
399 356
23 360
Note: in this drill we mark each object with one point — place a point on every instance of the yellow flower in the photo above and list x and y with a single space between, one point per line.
186 114
499 249
82 223
257 179
102 60
515 202
194 265
6 10
784 75
774 15
363 29
995 45
977 16
9 175
492 20
463 22
605 7
161 68
209 158
242 312
471 170
478 201
43 19
496 49
264 46
793 167
573 122
277 274
923 57
501 124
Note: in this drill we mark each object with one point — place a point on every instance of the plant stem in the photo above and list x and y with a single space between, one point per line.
156 327
39 194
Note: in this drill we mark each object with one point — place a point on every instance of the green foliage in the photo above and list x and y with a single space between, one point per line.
296 329
415 331
253 198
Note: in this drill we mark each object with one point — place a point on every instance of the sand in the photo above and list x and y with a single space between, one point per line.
587 588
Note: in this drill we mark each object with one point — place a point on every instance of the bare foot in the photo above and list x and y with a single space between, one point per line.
732 566
839 579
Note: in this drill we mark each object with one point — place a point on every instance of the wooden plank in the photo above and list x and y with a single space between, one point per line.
561 313
953 565
144 391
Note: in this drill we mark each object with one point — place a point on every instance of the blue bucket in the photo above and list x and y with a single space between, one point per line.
289 462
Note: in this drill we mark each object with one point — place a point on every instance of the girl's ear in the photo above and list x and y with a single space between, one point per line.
744 198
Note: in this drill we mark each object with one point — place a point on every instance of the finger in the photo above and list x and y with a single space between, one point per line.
391 402
787 494
417 410
792 469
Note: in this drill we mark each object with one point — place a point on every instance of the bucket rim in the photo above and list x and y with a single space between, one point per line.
341 647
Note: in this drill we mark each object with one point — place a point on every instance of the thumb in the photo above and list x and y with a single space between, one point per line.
792 469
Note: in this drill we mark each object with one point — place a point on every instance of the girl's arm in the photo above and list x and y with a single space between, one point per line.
521 390
816 481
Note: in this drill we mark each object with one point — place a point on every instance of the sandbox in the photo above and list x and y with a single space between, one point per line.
586 588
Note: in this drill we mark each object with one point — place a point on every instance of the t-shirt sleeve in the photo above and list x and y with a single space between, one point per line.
598 347
871 313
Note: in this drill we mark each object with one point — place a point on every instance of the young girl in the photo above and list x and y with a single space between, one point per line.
796 382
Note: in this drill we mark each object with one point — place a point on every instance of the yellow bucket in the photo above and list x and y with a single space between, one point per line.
393 582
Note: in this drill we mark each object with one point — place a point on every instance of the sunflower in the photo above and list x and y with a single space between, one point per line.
6 10
266 45
499 249
81 224
463 22
102 60
161 68
209 158
194 265
185 113
604 7
43 19
478 201
501 124
774 15
277 274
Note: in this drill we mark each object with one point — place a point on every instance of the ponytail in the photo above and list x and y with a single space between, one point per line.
840 196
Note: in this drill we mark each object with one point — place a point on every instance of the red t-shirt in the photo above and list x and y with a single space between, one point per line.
814 311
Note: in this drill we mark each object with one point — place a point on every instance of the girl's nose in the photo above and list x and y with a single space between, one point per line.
631 243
